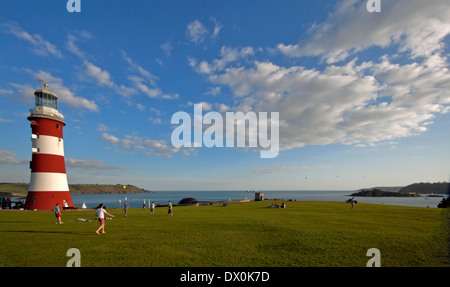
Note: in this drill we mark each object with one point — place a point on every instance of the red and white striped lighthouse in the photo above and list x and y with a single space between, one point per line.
48 182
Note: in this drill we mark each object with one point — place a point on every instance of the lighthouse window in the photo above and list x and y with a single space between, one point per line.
54 103
46 100
39 99
58 126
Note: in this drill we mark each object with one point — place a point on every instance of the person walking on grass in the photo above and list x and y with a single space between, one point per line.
169 211
100 214
152 208
125 209
58 214
352 201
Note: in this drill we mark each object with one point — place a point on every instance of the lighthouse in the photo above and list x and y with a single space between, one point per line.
48 182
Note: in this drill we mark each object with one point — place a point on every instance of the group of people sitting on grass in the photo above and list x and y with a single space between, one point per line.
273 205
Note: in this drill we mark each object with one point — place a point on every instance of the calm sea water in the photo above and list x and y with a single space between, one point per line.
135 200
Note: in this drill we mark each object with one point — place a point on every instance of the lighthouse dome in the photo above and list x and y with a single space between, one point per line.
46 104
45 97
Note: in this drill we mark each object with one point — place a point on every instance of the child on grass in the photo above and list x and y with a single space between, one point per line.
58 214
100 213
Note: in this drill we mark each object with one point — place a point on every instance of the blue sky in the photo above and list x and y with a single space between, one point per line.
363 98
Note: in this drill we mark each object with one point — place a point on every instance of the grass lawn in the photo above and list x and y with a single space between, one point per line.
314 234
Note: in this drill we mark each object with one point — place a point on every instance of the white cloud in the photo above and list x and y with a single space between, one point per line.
156 121
148 76
205 106
214 91
145 81
56 85
91 71
155 111
70 45
64 93
342 104
2 120
90 164
196 32
285 169
353 102
142 80
5 92
125 91
159 62
167 48
140 107
41 46
101 77
8 157
141 144
155 92
110 138
310 103
102 128
217 28
416 26
223 108
26 93
227 55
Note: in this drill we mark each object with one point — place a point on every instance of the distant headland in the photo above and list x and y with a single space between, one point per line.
412 190
21 189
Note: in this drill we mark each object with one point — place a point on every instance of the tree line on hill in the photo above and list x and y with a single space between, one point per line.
21 189
427 188
411 190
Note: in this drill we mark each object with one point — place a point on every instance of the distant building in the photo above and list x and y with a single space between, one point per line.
259 196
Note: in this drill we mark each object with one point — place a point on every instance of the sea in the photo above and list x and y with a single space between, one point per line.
136 200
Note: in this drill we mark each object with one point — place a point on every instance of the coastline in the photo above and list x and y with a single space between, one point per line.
205 197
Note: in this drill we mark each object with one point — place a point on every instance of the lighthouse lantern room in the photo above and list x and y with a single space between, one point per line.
48 182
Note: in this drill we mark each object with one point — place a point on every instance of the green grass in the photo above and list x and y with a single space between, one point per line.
240 235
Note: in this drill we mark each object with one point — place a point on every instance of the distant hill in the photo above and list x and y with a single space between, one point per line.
384 188
21 189
373 192
13 189
426 187
411 190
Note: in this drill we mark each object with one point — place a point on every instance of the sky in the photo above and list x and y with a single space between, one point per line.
363 97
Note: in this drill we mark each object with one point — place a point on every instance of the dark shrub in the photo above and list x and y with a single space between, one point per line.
188 200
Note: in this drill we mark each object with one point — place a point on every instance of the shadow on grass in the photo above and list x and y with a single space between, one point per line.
1 222
49 232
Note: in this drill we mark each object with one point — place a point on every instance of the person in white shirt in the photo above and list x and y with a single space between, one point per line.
100 214
152 208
